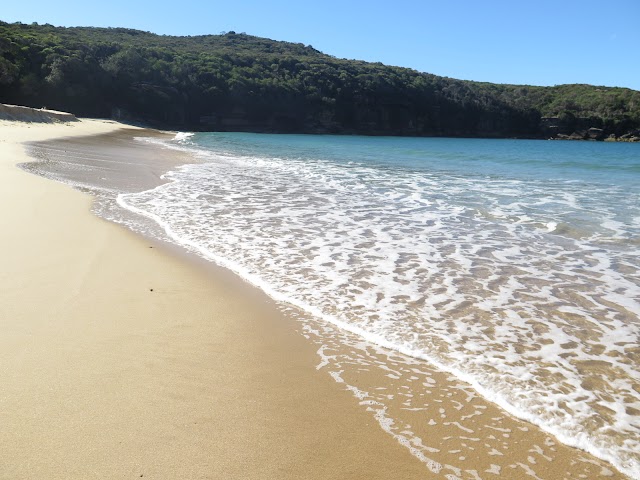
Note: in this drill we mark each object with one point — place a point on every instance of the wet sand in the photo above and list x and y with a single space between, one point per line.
121 356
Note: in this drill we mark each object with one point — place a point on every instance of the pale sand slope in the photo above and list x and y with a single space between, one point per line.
28 114
100 377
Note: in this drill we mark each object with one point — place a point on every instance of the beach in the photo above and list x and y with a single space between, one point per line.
121 361
125 357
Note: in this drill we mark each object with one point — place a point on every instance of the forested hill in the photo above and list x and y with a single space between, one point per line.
240 82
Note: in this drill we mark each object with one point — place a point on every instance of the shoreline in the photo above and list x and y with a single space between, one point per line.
268 322
200 378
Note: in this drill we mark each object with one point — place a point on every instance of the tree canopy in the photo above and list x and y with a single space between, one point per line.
236 81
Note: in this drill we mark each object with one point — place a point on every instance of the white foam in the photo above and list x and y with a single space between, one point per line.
183 136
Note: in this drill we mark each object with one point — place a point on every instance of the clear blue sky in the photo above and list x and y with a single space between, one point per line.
539 42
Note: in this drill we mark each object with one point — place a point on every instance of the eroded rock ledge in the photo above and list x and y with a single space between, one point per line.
27 114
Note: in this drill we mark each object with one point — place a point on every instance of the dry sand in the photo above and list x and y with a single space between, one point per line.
120 359
200 378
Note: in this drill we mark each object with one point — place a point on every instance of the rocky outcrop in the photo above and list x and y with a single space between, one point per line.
630 137
27 114
569 127
595 134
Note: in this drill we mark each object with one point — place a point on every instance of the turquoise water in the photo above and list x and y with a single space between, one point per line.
615 163
512 264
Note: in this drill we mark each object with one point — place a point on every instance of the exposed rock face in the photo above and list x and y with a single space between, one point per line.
569 127
628 137
595 133
27 114
577 128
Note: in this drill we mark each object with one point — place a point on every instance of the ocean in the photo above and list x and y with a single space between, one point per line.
513 266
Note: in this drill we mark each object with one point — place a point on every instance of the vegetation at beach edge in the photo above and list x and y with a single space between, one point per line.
236 81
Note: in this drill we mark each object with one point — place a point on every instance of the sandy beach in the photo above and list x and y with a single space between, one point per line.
121 357
200 378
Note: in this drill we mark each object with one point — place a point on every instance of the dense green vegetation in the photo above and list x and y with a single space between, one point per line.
240 82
